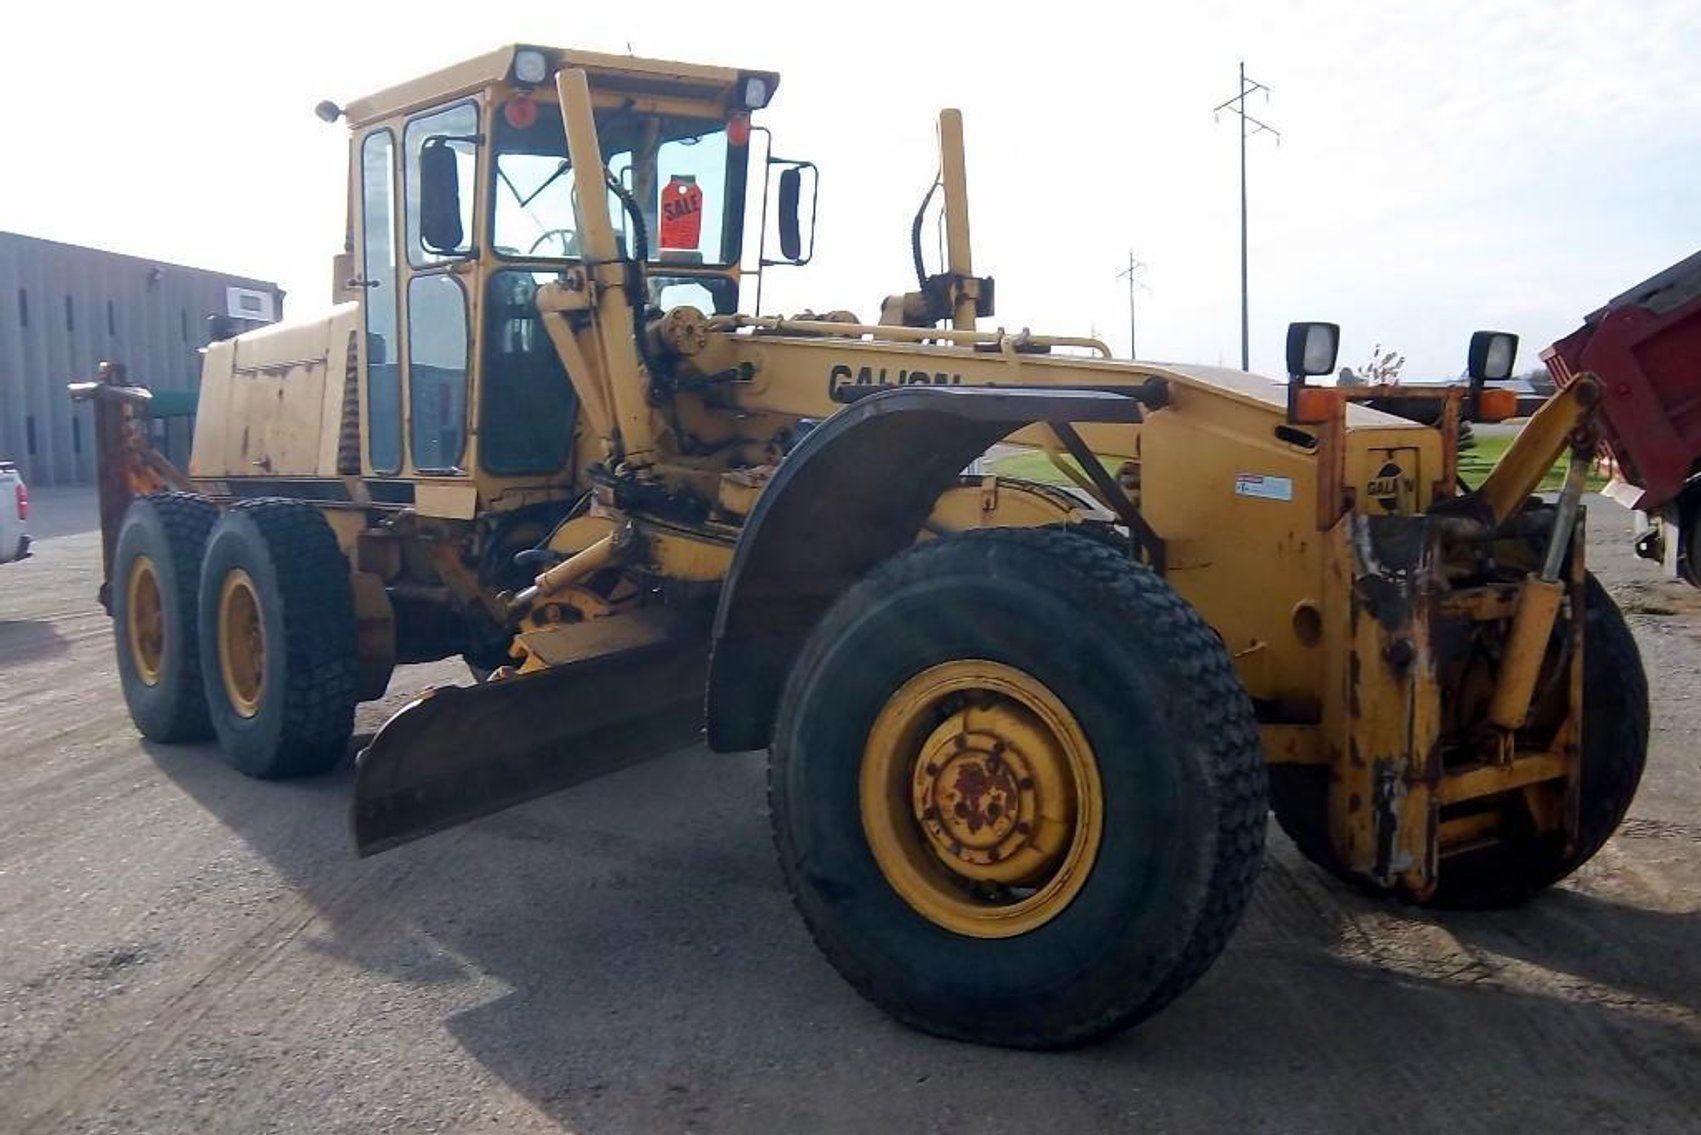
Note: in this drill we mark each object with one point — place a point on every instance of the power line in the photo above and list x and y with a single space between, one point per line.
1131 275
1248 127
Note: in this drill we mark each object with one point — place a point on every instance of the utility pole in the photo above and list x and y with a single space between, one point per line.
1248 127
1134 267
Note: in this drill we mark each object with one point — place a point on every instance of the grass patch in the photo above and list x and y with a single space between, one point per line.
1474 465
1476 462
1036 466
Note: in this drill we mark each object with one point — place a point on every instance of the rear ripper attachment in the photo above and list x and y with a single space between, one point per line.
1447 749
1452 763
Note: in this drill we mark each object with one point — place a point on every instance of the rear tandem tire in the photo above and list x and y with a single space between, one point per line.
278 639
156 570
969 641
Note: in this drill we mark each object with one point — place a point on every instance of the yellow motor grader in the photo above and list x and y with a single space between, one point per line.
1022 741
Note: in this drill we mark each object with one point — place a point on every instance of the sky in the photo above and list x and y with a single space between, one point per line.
1441 166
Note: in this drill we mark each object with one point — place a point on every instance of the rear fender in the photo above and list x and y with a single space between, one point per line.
856 490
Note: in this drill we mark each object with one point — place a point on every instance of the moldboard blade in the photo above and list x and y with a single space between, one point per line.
460 752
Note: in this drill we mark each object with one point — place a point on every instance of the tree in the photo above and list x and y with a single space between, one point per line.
1383 368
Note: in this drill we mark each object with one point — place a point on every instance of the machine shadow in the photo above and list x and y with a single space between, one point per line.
695 993
1579 934
29 641
648 948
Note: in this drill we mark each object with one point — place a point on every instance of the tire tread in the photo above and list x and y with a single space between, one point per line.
322 668
1134 599
186 519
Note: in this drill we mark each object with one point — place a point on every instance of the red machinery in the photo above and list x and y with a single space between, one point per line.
1645 346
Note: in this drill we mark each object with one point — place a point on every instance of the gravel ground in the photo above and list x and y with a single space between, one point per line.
185 949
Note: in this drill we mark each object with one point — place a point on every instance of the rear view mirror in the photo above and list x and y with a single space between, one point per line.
797 243
791 233
1492 356
439 197
1312 348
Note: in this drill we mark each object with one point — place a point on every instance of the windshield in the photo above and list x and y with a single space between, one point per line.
685 178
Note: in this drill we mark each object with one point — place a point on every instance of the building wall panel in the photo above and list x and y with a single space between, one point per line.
149 315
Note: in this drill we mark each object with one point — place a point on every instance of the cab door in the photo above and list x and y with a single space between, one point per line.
440 251
380 356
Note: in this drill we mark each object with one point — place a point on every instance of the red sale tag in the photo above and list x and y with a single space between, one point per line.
681 213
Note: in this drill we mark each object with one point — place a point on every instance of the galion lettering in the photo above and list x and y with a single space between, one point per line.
843 375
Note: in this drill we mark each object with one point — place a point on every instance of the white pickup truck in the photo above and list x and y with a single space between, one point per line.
14 511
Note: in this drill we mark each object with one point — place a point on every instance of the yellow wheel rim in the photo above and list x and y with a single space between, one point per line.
146 620
980 799
242 643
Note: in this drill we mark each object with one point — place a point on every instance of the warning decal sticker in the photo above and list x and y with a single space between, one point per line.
1263 487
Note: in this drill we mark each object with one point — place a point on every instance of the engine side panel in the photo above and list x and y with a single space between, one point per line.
272 402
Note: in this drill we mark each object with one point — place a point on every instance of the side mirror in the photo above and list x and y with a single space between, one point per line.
440 197
1312 348
1492 356
791 225
788 212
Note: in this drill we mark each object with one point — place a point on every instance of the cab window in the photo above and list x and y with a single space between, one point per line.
526 403
454 129
681 176
381 302
437 371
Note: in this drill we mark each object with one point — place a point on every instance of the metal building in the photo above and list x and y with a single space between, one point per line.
65 308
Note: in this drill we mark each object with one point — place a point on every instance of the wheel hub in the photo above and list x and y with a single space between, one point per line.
977 799
242 643
147 621
980 798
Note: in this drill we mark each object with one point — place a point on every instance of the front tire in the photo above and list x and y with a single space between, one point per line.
278 639
1017 790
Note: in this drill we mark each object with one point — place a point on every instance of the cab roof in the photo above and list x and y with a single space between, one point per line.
607 73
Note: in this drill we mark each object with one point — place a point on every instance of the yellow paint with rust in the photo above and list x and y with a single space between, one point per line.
981 798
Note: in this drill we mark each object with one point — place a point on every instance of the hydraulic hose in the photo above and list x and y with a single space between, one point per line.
640 235
915 235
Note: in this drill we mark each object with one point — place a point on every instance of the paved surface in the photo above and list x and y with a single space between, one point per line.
184 949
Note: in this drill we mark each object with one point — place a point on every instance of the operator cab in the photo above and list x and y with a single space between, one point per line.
465 205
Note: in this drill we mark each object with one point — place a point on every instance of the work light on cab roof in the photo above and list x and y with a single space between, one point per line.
531 66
